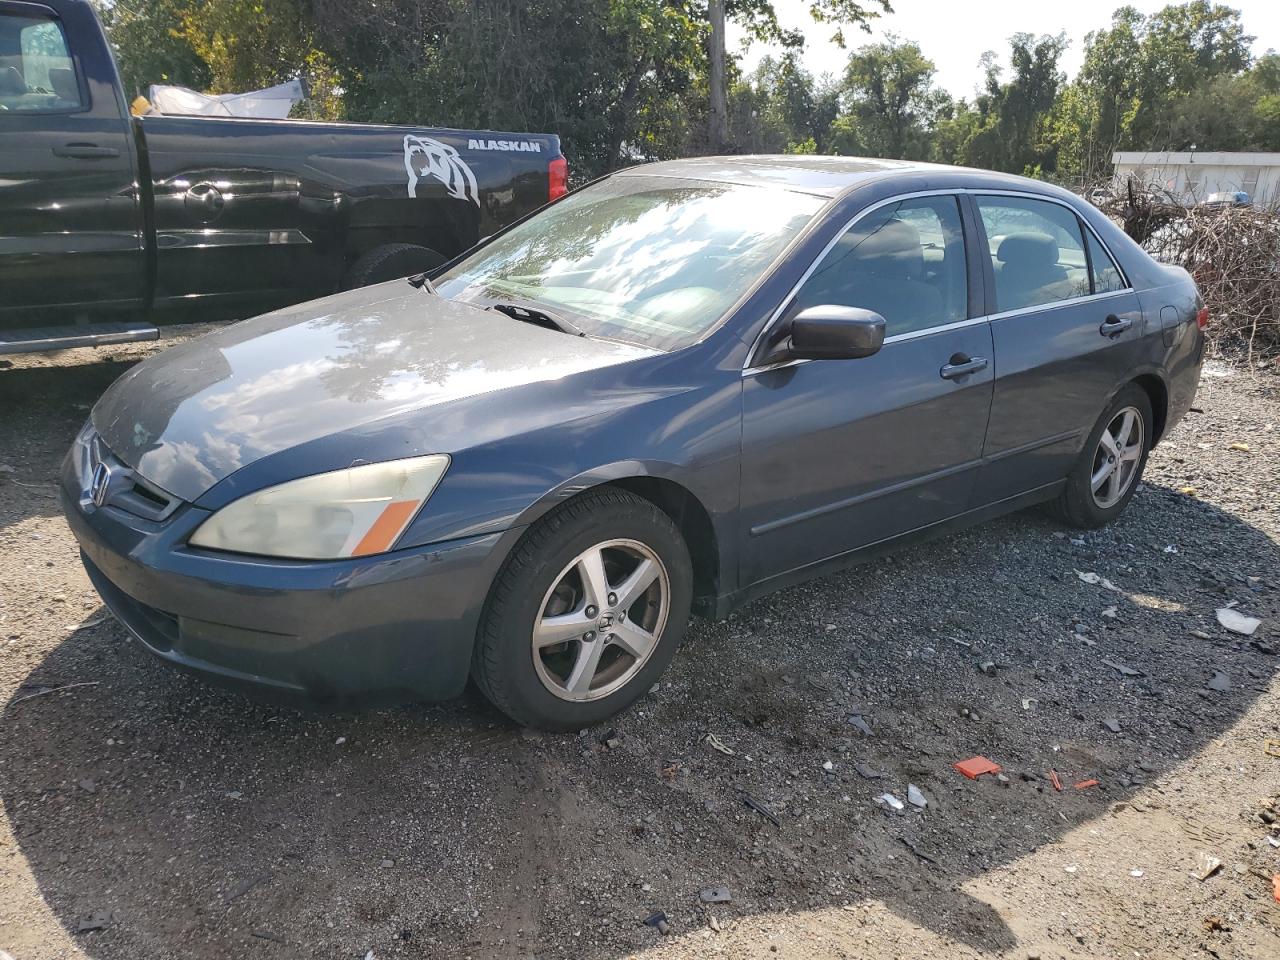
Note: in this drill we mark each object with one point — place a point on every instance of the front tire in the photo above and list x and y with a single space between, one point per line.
1110 467
586 613
391 261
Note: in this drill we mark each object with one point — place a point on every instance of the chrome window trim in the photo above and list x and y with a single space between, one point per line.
1055 304
748 370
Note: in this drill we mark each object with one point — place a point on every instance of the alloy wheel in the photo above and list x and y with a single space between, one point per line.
1115 462
601 620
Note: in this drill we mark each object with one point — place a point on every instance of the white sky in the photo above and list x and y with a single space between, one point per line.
954 34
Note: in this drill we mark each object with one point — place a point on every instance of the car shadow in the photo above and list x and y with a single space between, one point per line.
183 820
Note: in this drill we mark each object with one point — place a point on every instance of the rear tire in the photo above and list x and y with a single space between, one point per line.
533 660
1103 481
391 261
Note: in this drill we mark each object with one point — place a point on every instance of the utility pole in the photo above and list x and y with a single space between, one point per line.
718 125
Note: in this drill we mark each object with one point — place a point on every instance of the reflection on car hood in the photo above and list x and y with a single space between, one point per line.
196 413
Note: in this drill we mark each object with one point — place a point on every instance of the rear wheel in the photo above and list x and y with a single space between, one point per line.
1103 480
390 261
586 613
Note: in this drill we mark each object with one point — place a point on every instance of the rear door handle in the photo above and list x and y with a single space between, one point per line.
1113 326
85 151
962 366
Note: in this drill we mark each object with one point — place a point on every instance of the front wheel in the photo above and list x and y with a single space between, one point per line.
1103 480
586 613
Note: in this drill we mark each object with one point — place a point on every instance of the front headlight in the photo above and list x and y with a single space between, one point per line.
346 513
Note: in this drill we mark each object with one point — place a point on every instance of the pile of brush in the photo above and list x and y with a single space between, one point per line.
1232 251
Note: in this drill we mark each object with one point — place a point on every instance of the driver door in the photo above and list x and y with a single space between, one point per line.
842 454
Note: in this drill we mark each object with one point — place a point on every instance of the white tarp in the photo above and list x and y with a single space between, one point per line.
273 103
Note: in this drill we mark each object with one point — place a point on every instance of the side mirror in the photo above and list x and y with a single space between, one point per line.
830 332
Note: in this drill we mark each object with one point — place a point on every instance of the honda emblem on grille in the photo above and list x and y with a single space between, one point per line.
100 484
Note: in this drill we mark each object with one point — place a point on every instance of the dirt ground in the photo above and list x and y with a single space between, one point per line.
181 821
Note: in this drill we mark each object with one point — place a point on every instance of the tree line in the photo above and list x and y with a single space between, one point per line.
623 81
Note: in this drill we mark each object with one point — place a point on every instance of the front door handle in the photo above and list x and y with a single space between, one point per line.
1113 326
962 366
85 151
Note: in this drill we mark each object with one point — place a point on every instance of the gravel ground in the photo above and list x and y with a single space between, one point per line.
187 822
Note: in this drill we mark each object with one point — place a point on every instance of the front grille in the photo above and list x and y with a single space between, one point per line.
125 490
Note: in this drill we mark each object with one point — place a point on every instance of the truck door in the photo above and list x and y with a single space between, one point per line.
71 231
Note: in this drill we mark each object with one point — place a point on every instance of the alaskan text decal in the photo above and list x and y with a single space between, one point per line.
523 146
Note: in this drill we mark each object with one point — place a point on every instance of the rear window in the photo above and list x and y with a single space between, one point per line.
37 73
1037 251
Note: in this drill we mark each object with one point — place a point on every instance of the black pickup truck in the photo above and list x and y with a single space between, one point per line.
111 224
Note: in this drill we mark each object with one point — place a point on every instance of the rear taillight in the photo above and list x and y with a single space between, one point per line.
1202 318
557 178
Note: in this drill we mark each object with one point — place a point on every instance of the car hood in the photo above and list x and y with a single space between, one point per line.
196 413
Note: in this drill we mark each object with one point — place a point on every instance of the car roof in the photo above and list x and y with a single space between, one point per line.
825 176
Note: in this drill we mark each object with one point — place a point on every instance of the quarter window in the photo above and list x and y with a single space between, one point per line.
37 73
1037 252
905 261
1106 275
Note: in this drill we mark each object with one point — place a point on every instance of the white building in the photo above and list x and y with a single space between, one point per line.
1193 175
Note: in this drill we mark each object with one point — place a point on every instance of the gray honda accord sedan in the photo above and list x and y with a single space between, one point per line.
675 390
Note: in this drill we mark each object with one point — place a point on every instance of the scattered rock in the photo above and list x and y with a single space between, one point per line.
715 895
1237 622
915 797
1112 724
1219 682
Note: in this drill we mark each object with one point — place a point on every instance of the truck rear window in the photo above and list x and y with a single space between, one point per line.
37 74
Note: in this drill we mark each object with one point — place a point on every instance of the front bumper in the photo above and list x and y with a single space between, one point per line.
394 627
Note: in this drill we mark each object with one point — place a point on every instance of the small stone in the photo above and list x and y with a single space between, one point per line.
828 767
915 797
388 863
87 785
1219 682
1112 724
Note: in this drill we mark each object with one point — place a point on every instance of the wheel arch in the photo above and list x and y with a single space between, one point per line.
674 498
1157 392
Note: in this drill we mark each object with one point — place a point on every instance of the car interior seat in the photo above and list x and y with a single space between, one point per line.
1027 270
884 271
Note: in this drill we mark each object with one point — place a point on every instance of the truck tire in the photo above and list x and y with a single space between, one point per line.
390 261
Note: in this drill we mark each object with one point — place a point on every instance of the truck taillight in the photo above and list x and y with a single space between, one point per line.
1202 318
557 178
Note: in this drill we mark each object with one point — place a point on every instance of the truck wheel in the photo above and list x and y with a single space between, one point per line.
391 261
586 612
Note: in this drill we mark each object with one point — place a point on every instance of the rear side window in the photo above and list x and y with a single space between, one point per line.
1037 252
904 260
37 73
1106 275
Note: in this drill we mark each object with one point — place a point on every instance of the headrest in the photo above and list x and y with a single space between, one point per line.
893 250
1033 250
11 82
63 81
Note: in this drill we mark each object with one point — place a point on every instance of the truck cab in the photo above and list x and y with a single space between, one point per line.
112 225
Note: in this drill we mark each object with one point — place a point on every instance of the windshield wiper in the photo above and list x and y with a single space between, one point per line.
422 282
544 318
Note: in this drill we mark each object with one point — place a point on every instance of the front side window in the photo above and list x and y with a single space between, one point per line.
1106 275
650 260
904 261
37 73
1037 252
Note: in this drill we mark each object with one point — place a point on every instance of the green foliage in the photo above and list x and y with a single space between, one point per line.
889 94
627 80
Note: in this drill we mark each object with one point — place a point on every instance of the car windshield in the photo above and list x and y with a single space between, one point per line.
648 260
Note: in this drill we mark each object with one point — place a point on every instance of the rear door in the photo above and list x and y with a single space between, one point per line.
70 222
841 454
1067 329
